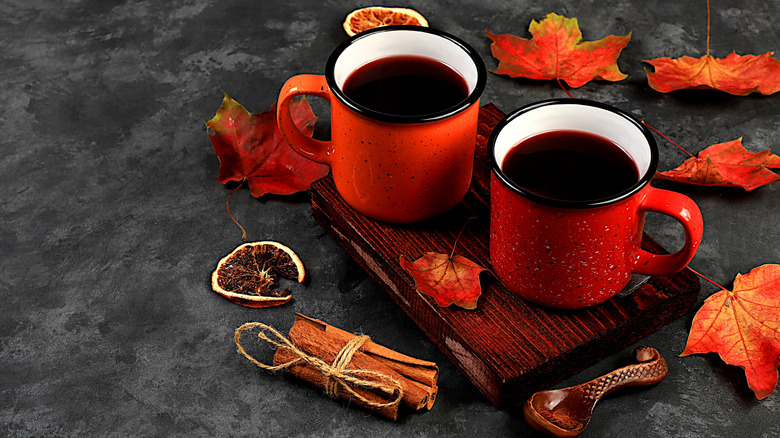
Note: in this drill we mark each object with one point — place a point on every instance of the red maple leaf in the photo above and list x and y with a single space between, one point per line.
250 147
734 74
727 164
557 51
448 279
743 327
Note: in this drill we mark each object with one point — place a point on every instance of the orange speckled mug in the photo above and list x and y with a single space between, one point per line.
393 166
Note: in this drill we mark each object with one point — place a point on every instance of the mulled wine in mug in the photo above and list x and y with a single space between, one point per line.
570 185
404 102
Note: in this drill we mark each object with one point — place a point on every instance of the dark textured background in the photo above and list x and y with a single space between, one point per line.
112 220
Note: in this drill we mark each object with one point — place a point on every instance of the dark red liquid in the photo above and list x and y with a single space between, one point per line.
406 86
570 166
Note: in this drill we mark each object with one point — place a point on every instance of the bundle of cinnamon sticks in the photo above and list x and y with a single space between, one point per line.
413 380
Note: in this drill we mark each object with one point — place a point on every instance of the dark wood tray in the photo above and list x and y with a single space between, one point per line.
507 347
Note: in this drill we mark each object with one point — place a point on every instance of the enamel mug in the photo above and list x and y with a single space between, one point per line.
577 253
392 167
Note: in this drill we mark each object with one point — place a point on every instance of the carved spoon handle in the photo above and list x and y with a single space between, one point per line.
651 369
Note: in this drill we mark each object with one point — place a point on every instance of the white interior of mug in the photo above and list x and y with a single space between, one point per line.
576 117
405 43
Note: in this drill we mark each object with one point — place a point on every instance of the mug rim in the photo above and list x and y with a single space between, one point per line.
473 96
564 203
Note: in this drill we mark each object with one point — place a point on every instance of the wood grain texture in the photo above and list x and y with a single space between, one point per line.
507 347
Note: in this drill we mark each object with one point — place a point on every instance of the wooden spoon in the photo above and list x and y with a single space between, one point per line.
566 412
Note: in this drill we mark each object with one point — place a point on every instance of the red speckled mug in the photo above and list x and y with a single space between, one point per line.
577 253
393 167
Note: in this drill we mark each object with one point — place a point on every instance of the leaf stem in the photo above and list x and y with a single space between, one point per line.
564 88
243 231
667 139
708 27
459 234
702 276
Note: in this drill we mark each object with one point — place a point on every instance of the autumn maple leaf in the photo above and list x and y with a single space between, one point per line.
448 279
727 164
250 147
557 51
743 327
734 74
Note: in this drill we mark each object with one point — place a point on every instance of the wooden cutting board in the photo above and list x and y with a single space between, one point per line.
507 347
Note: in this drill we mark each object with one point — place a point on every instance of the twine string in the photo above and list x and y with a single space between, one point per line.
338 376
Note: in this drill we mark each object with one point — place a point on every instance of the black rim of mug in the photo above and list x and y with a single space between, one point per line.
395 118
562 203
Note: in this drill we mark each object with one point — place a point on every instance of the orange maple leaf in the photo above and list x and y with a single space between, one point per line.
734 74
557 51
448 279
727 164
743 327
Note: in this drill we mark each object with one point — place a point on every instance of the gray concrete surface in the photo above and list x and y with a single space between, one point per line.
112 220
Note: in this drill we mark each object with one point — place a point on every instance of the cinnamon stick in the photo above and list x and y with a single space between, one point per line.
313 376
323 344
348 366
418 370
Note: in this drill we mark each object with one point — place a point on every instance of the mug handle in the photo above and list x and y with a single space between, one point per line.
688 214
316 150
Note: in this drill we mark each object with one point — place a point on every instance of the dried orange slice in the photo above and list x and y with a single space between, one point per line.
374 16
247 275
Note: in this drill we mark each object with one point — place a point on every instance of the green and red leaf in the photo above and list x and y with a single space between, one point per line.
556 51
250 147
